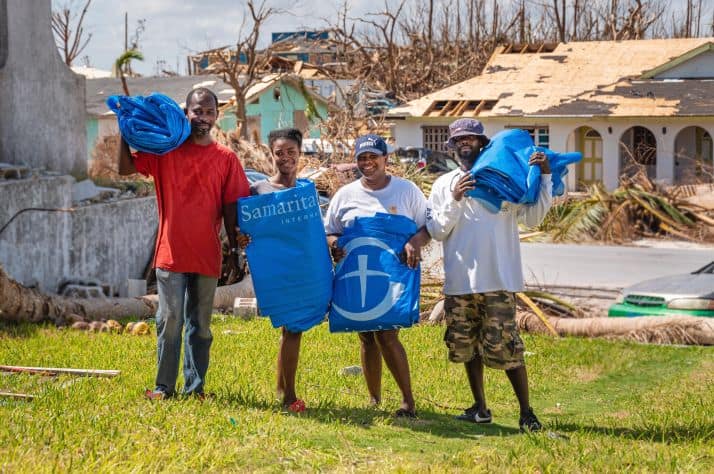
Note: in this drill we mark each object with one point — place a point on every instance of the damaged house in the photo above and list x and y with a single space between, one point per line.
649 102
277 100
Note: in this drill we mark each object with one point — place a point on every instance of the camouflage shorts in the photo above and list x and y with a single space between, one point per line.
484 324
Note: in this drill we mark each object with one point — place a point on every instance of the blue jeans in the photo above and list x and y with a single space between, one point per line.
184 299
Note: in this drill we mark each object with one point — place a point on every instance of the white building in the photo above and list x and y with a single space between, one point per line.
647 101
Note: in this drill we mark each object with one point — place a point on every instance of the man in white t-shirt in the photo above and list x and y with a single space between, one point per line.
482 266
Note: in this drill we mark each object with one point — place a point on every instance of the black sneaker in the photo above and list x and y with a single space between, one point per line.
529 422
472 414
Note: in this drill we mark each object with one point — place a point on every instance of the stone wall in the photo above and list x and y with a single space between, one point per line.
109 241
34 248
113 241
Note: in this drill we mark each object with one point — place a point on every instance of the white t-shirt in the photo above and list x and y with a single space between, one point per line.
482 251
400 196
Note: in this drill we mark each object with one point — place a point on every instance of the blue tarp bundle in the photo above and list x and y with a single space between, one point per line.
288 255
502 172
373 289
154 124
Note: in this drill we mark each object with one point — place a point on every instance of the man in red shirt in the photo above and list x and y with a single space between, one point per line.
197 184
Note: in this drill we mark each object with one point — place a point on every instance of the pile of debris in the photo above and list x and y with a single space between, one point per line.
252 156
112 326
639 208
542 313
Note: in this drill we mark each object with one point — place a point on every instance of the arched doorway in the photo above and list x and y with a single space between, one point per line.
638 150
589 170
693 156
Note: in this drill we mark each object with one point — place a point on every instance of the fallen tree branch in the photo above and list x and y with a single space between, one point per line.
18 303
50 371
19 396
538 312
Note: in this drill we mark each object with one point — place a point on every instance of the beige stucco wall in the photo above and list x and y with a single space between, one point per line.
665 129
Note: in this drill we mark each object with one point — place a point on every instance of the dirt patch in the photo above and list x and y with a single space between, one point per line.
588 374
705 373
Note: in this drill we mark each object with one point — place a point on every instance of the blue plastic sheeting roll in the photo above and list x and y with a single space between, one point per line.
288 255
154 124
502 172
374 290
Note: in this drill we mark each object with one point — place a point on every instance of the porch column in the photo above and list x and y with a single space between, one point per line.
611 159
665 155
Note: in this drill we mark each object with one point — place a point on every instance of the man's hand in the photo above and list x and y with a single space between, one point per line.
124 160
465 183
234 267
541 159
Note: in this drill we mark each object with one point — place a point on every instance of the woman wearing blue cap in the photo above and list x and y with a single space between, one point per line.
378 192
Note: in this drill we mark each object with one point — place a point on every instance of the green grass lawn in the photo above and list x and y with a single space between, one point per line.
607 407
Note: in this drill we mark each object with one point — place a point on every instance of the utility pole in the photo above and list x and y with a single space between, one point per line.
127 65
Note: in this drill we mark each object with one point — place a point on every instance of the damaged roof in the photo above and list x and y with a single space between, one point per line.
98 90
176 87
594 78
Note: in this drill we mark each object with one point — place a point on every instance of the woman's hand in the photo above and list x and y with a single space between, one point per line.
242 240
412 249
413 253
338 253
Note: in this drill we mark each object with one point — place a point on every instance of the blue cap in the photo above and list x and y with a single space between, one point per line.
370 144
463 127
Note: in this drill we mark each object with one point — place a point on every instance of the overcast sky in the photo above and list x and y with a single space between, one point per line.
176 28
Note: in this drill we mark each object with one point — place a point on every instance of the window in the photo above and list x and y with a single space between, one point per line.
435 137
538 133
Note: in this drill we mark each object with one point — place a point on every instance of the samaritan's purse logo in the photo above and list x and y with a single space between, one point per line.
377 298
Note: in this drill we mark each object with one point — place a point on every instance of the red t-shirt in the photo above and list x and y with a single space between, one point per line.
193 182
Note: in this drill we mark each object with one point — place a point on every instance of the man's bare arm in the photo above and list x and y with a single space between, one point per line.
126 162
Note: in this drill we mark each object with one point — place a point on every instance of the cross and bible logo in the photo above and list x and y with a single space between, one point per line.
373 288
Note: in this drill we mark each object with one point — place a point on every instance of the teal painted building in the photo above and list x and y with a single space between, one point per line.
282 101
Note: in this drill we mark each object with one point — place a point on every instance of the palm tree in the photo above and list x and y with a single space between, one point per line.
121 63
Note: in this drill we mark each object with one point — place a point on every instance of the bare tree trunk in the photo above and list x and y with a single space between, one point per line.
470 14
522 23
71 41
21 304
124 85
494 23
559 19
666 329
